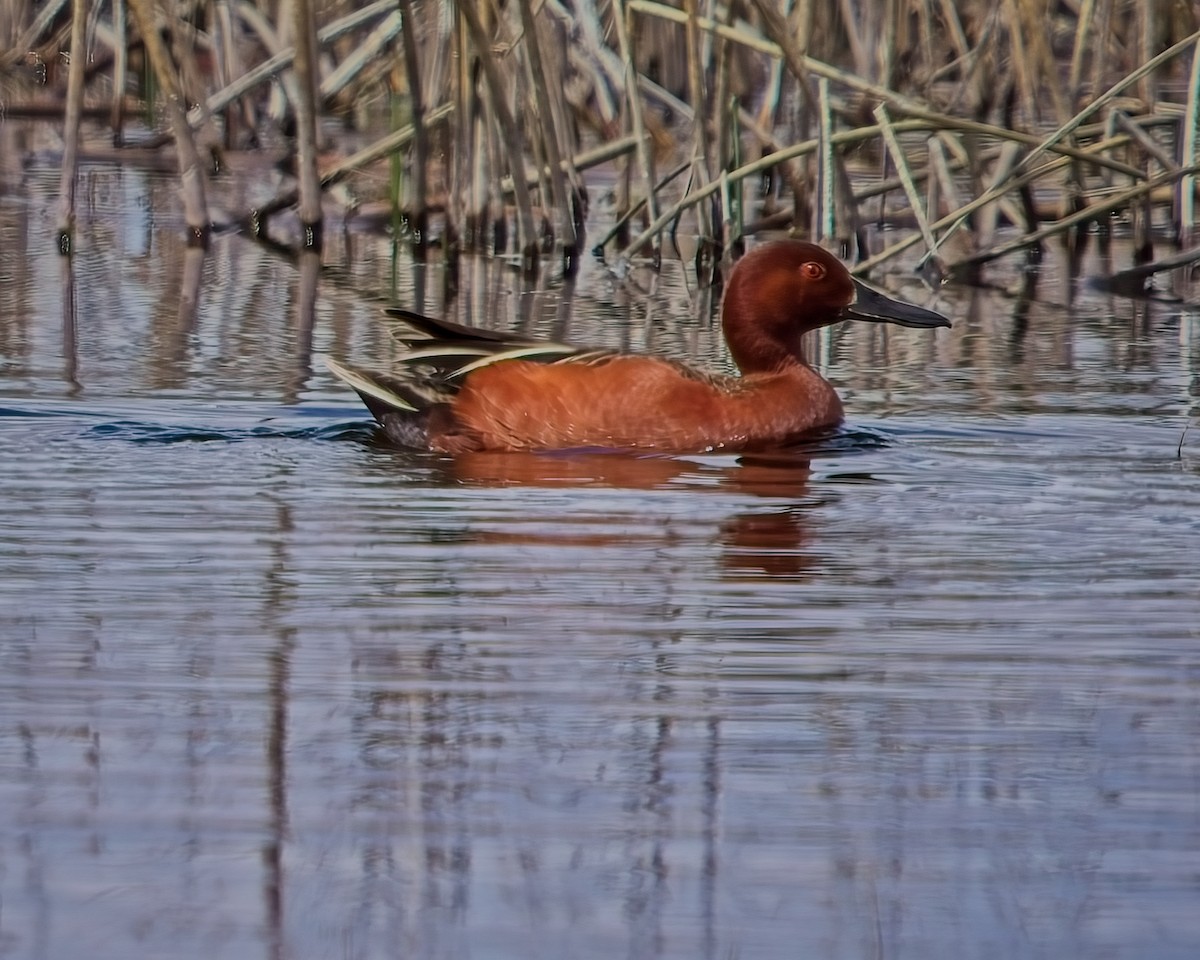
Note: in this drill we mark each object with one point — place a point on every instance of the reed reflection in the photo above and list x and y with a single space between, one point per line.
70 347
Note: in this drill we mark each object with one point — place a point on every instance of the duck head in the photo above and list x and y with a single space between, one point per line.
780 291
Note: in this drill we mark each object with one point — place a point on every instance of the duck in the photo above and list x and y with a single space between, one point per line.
460 389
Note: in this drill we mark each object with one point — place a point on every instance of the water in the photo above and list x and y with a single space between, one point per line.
929 688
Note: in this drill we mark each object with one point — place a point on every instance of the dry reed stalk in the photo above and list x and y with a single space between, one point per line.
1147 89
1187 185
1035 20
757 167
70 162
942 179
754 41
621 16
584 161
891 41
769 105
418 212
986 217
799 64
858 47
1148 144
368 155
365 52
958 39
28 40
282 59
698 96
541 81
1022 70
509 132
722 98
1083 24
120 72
1065 130
1091 212
191 170
306 69
992 195
1133 280
458 209
914 199
826 210
229 65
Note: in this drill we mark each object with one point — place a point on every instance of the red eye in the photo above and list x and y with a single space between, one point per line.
812 270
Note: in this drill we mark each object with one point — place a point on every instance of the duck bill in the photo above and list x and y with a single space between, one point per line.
876 307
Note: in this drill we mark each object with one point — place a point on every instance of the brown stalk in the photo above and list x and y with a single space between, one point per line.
621 21
510 134
191 170
418 214
550 138
70 162
120 72
305 30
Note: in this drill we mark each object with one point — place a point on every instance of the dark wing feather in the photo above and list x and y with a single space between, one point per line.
445 330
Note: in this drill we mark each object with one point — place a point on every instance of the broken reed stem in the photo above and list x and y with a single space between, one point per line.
70 161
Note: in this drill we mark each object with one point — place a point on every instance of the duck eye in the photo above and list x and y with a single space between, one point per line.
812 270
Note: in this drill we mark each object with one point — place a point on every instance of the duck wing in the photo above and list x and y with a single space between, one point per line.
438 355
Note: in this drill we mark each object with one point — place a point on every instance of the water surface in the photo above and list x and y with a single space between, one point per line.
929 688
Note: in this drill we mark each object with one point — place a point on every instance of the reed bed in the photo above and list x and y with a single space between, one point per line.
967 130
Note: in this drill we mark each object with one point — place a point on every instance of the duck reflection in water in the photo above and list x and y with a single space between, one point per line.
754 543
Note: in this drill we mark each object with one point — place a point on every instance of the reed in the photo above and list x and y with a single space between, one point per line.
964 97
74 109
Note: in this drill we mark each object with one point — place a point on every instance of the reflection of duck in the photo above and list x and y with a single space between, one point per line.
753 542
463 389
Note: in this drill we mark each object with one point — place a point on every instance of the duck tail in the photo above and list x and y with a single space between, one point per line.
402 408
376 390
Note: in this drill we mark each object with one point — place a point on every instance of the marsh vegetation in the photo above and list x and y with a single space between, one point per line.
970 130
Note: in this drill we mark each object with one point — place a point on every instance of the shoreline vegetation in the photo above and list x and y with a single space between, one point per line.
973 130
